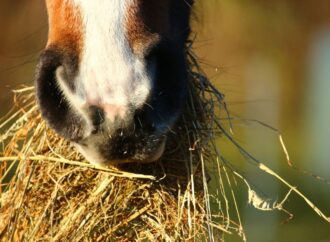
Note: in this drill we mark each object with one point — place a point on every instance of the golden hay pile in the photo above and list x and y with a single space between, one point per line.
49 193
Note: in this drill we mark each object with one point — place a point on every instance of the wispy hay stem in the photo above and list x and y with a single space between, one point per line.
41 158
266 169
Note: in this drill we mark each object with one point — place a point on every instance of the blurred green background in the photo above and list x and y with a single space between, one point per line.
272 61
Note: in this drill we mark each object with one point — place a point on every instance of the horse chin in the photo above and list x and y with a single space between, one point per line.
154 156
142 158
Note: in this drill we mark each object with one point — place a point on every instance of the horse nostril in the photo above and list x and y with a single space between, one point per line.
96 114
95 131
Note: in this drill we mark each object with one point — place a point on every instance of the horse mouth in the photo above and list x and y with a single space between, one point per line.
140 158
154 155
107 154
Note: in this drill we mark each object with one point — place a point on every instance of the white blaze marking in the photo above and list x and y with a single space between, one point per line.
110 75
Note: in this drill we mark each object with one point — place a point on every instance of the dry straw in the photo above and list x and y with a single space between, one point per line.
49 193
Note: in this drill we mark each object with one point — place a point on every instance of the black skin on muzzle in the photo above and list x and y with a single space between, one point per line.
149 125
54 107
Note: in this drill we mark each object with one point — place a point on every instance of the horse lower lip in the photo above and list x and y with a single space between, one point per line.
147 158
158 153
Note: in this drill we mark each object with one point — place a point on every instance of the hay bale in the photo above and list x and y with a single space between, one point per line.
50 193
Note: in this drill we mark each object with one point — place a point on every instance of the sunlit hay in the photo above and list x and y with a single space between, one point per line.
49 192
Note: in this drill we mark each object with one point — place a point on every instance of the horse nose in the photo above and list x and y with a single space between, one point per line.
96 115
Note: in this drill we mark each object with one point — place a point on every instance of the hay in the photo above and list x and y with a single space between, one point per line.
50 193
